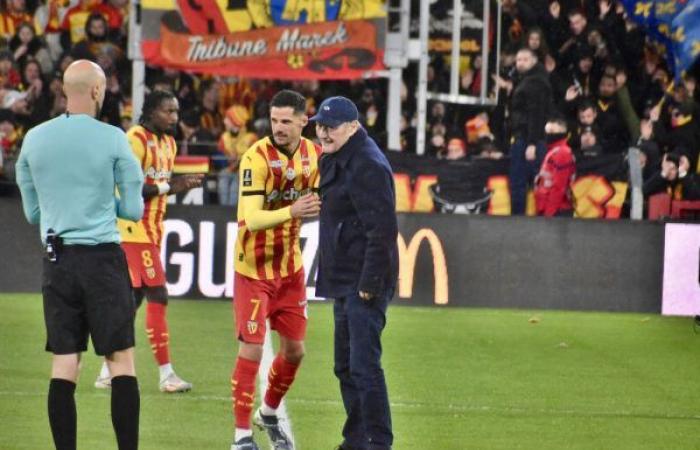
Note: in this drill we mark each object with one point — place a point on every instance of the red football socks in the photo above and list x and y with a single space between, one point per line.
243 390
279 379
157 331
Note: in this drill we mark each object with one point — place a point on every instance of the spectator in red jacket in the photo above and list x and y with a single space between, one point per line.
558 170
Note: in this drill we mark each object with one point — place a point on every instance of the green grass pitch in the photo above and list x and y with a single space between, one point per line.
458 379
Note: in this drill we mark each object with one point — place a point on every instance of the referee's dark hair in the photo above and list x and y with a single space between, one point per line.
152 102
289 99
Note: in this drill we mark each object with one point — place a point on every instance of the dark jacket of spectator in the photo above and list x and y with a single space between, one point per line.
679 129
612 125
530 105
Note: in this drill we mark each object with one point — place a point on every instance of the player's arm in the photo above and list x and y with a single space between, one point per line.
30 200
177 184
128 176
252 197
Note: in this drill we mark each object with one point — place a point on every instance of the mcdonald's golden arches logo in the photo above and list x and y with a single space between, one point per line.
407 264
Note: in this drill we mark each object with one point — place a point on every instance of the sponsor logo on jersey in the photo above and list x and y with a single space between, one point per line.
291 174
288 194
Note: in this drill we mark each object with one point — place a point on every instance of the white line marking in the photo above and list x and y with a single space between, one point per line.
434 407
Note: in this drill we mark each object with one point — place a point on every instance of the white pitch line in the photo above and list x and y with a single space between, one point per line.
459 408
268 357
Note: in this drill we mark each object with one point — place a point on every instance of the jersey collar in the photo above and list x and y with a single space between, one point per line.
283 151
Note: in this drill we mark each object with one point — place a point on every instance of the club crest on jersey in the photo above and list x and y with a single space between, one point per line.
252 327
276 163
150 272
247 177
291 174
306 171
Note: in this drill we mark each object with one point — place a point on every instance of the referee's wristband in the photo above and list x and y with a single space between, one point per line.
163 188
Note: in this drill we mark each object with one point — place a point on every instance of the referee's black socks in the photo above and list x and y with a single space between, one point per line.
125 411
62 415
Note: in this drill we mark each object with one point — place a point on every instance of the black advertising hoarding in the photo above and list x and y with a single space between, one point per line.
452 260
445 260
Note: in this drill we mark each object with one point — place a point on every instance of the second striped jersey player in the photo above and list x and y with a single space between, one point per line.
155 149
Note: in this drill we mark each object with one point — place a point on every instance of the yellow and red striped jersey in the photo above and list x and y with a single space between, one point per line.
238 92
10 21
281 178
157 157
212 121
231 145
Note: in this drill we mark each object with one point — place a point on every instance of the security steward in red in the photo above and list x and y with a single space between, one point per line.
553 183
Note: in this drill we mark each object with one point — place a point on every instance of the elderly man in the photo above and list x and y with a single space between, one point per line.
358 266
67 173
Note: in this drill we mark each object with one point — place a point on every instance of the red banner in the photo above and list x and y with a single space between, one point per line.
323 50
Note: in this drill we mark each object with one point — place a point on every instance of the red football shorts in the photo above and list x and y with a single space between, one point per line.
283 301
145 268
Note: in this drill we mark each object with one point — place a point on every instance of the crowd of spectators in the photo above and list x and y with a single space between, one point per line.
219 116
608 80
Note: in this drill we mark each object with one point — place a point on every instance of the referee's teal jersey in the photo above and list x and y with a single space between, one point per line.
67 173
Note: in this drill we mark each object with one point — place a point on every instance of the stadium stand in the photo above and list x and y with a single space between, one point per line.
594 53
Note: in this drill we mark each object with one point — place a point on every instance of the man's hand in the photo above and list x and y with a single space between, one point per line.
655 113
531 153
185 182
620 79
565 46
308 205
502 83
683 166
572 93
366 296
646 129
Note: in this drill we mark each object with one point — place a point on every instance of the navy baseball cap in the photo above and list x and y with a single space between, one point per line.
335 111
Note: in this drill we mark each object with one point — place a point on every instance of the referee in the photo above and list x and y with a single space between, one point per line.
67 173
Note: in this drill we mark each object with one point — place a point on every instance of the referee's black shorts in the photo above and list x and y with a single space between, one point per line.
87 291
